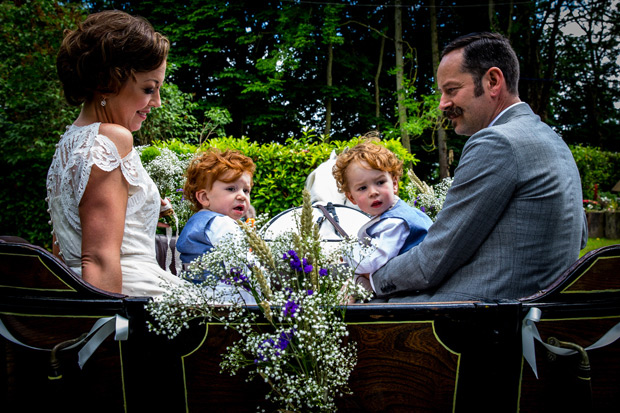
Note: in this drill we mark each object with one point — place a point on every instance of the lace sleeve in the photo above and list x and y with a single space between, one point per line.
78 150
105 155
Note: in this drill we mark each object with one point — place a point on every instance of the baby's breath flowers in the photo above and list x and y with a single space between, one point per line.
167 169
428 199
295 337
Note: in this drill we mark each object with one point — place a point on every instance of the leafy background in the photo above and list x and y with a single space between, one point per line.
255 73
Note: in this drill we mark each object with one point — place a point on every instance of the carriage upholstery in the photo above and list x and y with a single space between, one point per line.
427 356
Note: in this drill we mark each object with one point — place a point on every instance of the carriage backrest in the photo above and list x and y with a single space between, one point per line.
595 276
27 269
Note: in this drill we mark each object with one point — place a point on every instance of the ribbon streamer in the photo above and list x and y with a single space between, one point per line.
166 209
529 333
97 334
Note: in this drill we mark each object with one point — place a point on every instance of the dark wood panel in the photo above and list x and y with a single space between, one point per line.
559 386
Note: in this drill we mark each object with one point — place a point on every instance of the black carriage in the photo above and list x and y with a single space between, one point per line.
435 357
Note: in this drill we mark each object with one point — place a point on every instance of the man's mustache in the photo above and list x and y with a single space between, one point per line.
453 112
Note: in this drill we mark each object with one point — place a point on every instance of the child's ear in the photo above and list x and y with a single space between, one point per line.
203 198
350 198
395 183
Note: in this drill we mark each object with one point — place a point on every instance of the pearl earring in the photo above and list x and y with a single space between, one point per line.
103 102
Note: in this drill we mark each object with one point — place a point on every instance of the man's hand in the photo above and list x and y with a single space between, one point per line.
364 280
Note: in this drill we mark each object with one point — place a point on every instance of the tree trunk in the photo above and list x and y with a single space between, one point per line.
537 89
492 16
398 43
442 143
377 75
510 14
330 81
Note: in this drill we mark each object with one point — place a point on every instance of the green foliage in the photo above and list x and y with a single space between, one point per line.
149 153
215 119
596 167
173 120
423 113
588 75
33 113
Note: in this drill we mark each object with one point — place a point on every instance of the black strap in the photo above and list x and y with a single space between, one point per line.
331 219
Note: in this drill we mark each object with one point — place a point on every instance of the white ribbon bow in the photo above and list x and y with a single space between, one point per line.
529 333
97 334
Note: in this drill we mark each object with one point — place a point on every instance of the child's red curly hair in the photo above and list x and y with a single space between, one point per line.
376 156
212 165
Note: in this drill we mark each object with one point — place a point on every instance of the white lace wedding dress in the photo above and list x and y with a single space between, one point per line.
78 150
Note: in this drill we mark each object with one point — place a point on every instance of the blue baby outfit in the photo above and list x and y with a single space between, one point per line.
193 240
417 221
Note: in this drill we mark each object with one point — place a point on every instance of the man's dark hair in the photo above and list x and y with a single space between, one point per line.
482 51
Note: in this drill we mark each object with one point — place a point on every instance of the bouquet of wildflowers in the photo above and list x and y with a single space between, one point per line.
294 336
426 198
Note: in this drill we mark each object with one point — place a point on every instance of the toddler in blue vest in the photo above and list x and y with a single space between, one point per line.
368 174
218 184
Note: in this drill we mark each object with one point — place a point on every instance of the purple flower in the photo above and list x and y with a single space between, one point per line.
296 263
237 277
284 340
307 267
310 292
322 272
290 308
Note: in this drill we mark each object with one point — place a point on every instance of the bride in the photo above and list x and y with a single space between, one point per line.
104 206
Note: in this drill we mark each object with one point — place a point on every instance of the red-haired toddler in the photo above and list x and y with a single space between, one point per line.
368 174
218 184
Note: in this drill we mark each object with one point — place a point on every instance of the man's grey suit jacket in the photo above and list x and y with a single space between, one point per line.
512 221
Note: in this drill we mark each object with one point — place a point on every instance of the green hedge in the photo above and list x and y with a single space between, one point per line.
281 169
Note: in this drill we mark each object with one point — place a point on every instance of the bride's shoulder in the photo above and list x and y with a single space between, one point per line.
119 135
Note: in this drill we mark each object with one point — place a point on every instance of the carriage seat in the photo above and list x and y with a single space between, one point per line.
29 269
595 276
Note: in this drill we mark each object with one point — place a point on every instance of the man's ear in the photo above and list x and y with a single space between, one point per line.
203 198
494 79
350 198
395 184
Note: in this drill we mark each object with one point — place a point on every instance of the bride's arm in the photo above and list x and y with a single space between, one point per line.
102 215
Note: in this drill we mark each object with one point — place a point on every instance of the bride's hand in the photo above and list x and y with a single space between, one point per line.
166 208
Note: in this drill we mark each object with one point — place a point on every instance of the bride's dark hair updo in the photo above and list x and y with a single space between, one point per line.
105 51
